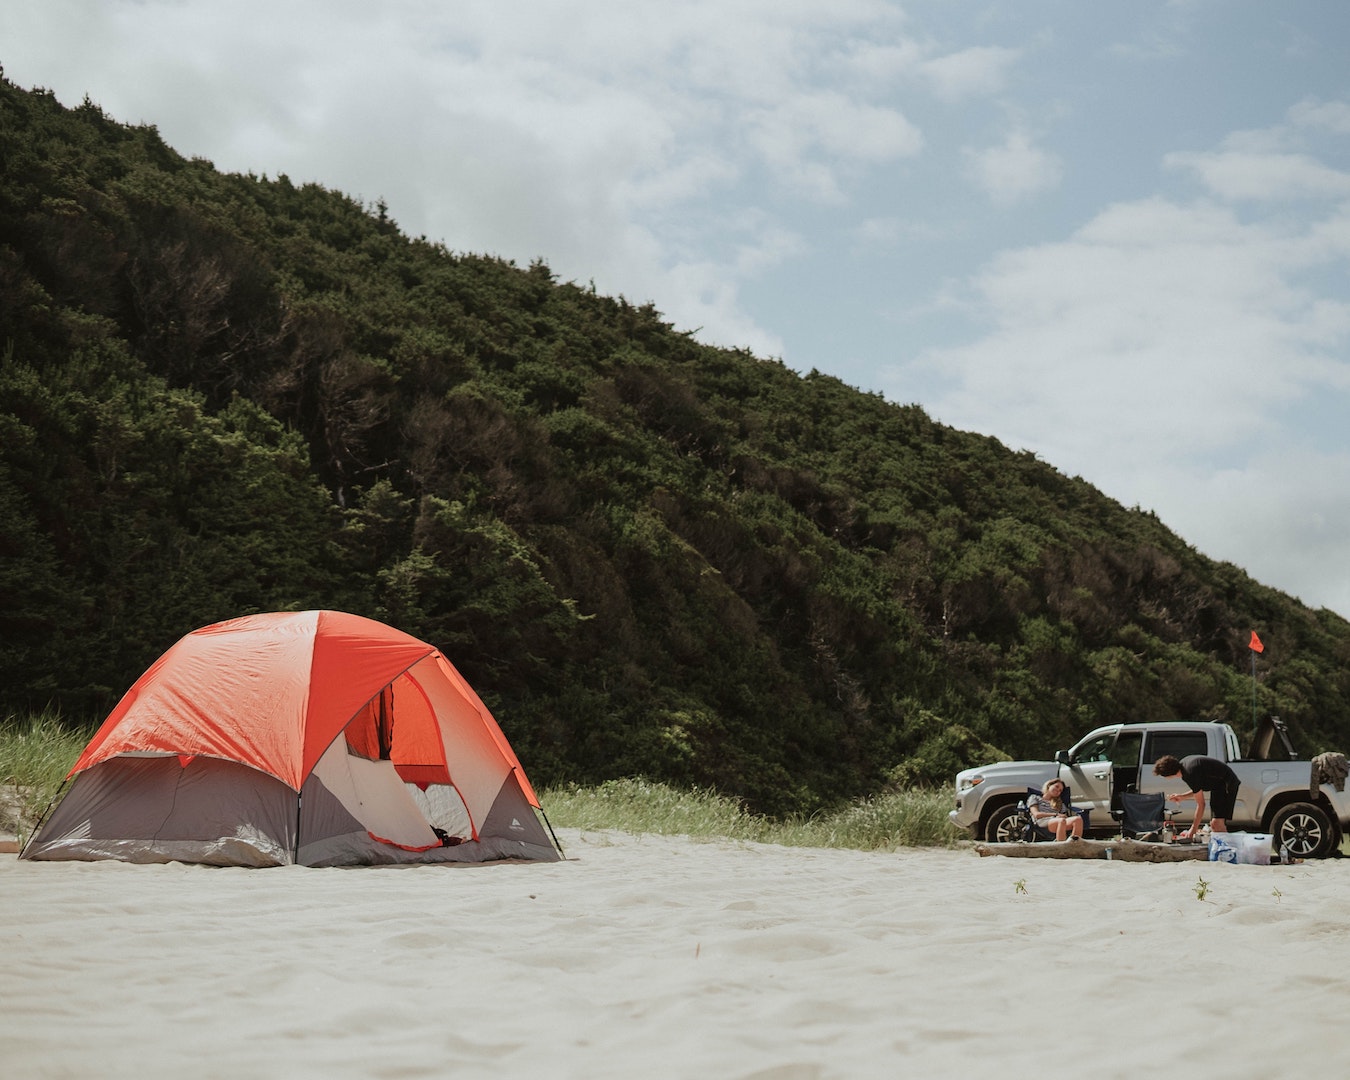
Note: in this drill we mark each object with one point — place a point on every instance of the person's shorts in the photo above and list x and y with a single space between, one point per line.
1222 801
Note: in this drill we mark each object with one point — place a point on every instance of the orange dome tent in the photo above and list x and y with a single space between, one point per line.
313 737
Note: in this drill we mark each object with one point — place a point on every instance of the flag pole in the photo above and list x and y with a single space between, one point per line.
1253 652
1255 646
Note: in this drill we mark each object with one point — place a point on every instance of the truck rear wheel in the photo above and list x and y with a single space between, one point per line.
1003 825
1306 830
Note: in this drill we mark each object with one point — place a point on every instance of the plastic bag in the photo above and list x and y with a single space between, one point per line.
1240 847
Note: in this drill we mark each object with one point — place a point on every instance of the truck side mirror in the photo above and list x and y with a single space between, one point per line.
1062 757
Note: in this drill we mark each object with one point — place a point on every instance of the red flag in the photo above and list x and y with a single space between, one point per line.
1255 643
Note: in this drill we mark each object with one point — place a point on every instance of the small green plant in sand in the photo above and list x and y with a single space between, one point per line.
36 752
1020 885
1275 892
915 818
1200 888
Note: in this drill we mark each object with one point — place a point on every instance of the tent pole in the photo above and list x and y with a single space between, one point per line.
551 833
299 798
42 818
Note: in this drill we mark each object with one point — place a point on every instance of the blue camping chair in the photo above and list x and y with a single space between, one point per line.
1031 832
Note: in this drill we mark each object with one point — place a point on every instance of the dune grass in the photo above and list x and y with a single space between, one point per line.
916 818
36 752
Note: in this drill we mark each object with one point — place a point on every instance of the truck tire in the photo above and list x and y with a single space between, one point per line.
1002 825
1305 829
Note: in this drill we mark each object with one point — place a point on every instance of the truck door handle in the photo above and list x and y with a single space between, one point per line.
1100 775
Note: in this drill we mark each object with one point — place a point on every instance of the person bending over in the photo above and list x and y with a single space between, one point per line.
1051 812
1202 774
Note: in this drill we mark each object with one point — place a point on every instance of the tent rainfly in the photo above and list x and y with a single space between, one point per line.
315 737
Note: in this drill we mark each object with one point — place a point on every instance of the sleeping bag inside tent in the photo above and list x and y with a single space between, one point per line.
316 737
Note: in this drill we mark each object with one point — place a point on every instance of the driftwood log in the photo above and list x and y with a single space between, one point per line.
1121 850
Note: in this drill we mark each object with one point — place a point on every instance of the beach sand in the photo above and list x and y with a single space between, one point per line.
668 957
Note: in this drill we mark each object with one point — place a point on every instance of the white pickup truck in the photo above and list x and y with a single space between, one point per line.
1278 794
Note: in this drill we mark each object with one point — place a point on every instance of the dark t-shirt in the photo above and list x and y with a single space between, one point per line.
1207 774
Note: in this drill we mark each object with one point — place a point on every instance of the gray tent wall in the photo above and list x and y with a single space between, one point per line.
158 809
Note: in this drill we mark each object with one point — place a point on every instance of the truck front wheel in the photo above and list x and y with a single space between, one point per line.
1002 826
1305 830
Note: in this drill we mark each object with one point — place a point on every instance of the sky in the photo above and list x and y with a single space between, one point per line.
1116 235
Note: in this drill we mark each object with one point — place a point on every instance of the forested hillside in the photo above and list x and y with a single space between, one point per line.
222 394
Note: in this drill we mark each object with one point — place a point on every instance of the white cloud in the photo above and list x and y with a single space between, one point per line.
810 140
881 234
1157 333
882 63
1173 355
1329 115
980 71
1273 164
1278 515
1235 175
1015 170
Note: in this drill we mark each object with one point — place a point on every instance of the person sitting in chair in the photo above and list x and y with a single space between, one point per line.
1052 813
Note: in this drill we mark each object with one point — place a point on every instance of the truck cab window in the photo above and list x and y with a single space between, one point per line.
1099 749
1179 744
